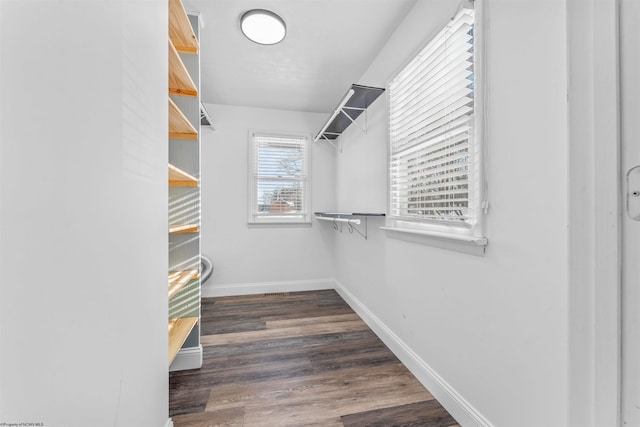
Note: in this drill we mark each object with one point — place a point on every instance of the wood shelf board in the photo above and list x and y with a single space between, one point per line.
180 82
179 135
180 178
179 330
179 126
180 30
184 228
179 279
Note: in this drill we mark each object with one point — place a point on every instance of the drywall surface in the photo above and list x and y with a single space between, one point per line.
244 254
83 215
493 328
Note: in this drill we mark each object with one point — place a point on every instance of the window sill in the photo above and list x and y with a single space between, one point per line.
278 225
272 222
454 242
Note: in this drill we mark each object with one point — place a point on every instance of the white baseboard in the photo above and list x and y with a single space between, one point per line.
217 290
458 407
169 423
187 358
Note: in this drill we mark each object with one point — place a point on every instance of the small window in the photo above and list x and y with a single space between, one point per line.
434 172
278 181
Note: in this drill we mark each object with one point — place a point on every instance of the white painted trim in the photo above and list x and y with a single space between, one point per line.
169 423
606 126
187 358
454 242
464 413
594 214
223 290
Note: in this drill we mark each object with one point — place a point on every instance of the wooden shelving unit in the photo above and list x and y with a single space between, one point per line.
180 31
178 280
179 178
179 330
179 126
180 82
183 293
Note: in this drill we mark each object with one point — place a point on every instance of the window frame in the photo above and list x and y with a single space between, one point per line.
433 231
253 215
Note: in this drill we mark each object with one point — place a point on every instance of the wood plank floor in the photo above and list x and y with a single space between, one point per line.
297 359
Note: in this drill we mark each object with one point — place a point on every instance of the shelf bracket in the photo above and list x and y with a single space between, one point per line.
351 228
205 118
353 120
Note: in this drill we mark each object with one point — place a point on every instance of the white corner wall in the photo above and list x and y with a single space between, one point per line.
490 332
256 259
83 214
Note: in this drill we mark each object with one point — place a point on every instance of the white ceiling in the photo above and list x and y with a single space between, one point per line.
329 45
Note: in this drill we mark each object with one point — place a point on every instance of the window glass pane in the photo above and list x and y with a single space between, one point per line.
280 197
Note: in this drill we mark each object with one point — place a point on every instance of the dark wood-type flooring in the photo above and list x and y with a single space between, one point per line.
296 359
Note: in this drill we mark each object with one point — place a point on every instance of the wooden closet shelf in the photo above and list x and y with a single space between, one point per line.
179 126
179 279
179 330
180 82
180 178
184 228
180 30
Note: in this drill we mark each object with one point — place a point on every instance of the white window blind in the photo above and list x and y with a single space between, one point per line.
431 163
279 178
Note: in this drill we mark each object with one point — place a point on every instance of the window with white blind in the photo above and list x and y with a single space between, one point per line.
434 145
278 181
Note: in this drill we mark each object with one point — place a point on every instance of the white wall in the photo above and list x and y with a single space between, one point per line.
83 214
493 328
247 255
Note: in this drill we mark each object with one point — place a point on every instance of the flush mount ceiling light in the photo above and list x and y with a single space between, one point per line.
263 26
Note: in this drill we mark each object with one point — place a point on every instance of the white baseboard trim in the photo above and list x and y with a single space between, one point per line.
266 287
169 423
458 407
187 358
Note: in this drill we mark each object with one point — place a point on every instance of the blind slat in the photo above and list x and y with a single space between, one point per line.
459 140
450 129
437 77
450 143
439 51
431 128
450 178
448 193
446 105
280 175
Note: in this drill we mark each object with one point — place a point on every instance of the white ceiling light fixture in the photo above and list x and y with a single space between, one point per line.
263 27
